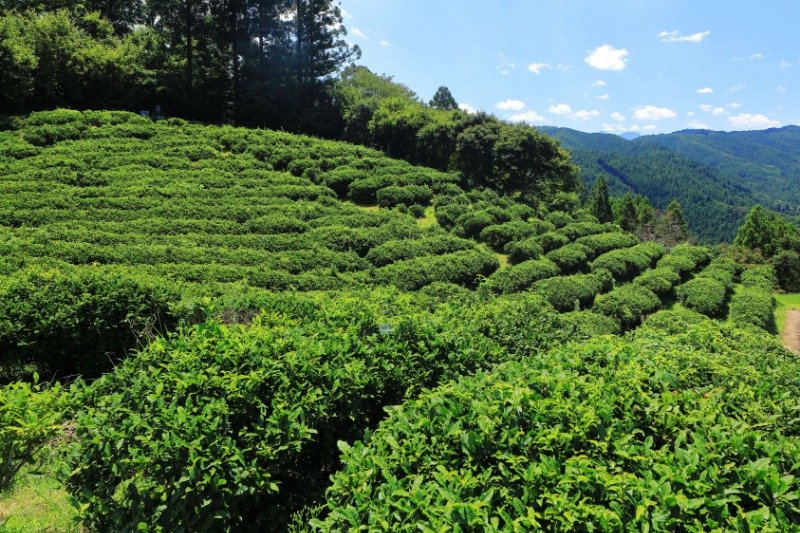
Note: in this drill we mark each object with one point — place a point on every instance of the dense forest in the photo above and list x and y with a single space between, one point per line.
390 315
717 176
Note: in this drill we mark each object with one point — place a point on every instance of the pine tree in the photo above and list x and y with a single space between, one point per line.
627 218
674 229
599 204
443 99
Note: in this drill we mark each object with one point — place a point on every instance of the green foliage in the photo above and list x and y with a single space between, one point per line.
404 195
463 268
589 324
536 444
627 263
443 99
570 258
519 251
30 416
521 276
599 204
787 269
767 232
79 321
571 293
660 280
397 250
551 240
601 243
627 305
753 306
705 295
762 277
237 426
499 235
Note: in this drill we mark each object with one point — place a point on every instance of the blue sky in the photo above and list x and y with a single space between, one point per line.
652 66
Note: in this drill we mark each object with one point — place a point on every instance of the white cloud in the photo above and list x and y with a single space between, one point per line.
714 110
746 121
598 83
784 65
530 116
619 117
705 90
385 43
782 89
359 33
651 112
734 105
675 36
607 57
736 88
690 114
650 127
505 65
603 97
697 125
584 115
511 105
751 57
346 15
560 109
466 108
563 67
537 68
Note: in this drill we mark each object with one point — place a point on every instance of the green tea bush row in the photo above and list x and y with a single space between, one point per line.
762 277
626 263
397 250
520 277
605 435
523 250
407 195
661 280
601 243
571 293
499 235
705 295
627 305
570 258
576 230
753 306
463 268
227 427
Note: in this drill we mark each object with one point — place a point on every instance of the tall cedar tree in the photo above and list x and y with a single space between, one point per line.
599 204
443 99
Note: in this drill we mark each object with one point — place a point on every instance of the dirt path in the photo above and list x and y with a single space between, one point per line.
791 335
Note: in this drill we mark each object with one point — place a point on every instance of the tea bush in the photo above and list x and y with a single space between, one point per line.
705 295
521 276
627 305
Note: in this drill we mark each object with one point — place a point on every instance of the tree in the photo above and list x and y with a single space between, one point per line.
673 228
627 217
443 99
599 204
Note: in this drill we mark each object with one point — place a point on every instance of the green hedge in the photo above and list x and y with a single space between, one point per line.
660 280
762 277
519 251
571 293
404 195
656 433
753 306
705 295
397 250
601 243
570 258
463 268
499 235
627 263
520 277
627 305
551 240
576 230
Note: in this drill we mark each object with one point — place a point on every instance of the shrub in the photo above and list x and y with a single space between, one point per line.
576 230
551 240
787 270
625 263
570 258
397 250
587 324
703 294
700 255
559 219
536 444
660 280
519 251
404 195
30 417
80 321
753 306
463 268
569 293
762 277
519 277
681 264
627 305
601 243
472 223
499 235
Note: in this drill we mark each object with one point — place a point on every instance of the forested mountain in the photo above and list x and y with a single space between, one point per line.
717 176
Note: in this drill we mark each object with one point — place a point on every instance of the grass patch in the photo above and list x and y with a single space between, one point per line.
786 302
429 219
37 502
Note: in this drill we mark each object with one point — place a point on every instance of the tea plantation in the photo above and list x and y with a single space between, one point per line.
277 332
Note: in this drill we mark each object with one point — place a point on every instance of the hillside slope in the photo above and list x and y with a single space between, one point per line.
717 176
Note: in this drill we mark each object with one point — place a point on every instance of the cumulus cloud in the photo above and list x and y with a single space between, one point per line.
736 88
511 105
466 108
530 116
734 105
598 83
697 125
359 33
607 57
619 117
537 68
603 97
651 112
675 36
746 121
560 109
714 110
752 57
584 115
385 43
705 90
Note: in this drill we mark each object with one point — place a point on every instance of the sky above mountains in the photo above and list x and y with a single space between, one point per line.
651 66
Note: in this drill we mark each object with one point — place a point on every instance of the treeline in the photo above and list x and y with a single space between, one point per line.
253 62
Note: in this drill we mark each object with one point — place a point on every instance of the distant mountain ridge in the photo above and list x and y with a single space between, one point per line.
717 176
